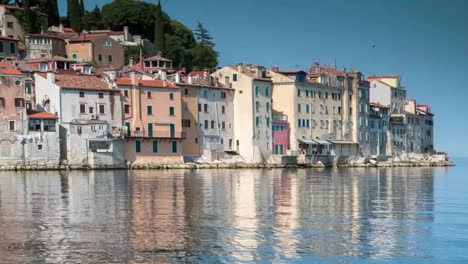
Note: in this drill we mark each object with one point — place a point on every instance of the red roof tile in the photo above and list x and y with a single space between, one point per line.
8 38
73 80
36 114
378 105
7 69
147 83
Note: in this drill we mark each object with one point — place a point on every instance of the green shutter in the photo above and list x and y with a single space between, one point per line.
127 124
268 121
172 130
174 146
281 149
234 77
137 146
149 110
155 146
257 121
267 91
171 111
256 91
150 130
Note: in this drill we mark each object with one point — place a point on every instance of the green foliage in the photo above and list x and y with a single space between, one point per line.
159 33
203 57
131 52
92 20
49 7
74 15
202 35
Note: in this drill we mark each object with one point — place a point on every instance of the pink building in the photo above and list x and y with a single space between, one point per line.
280 130
152 116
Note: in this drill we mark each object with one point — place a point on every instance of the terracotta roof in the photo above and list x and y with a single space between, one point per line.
147 83
8 38
157 58
105 32
48 59
197 73
45 35
7 69
73 80
378 105
69 30
37 114
251 74
330 70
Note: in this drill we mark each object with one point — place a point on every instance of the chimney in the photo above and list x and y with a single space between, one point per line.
190 79
239 67
126 34
163 75
61 27
130 61
275 68
177 77
51 77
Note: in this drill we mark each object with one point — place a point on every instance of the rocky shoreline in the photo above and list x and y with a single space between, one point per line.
413 160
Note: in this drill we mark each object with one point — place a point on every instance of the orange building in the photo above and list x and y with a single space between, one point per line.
152 116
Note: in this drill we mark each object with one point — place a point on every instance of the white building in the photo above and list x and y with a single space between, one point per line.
388 91
252 109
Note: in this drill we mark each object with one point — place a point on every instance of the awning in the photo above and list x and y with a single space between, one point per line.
308 142
343 142
322 142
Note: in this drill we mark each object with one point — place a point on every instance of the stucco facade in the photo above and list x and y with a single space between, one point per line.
102 50
252 109
207 115
152 117
388 91
9 24
44 45
8 49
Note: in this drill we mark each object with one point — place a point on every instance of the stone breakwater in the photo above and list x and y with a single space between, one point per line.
404 160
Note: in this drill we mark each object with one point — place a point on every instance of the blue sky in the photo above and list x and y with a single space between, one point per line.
425 41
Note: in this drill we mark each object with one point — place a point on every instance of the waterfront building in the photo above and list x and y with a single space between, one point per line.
8 49
388 90
100 49
26 137
90 114
379 130
312 109
280 130
44 45
152 119
252 104
420 125
207 114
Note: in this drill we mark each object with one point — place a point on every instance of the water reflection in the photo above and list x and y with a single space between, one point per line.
216 215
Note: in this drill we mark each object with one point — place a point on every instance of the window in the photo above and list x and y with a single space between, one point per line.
43 67
82 109
205 107
74 56
148 95
206 124
326 95
186 123
223 95
267 91
196 140
307 108
101 95
299 108
171 111
298 92
171 96
11 125
282 128
81 94
1 47
2 102
308 123
212 124
205 94
299 122
126 93
256 91
100 57
127 109
268 107
49 124
223 110
174 146
19 102
268 122
10 25
257 121
149 110
91 110
185 91
234 77
107 44
313 94
339 110
199 108
138 146
257 106
39 147
223 125
109 58
101 109
155 146
28 88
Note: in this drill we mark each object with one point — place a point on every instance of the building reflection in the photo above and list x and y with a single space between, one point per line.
215 215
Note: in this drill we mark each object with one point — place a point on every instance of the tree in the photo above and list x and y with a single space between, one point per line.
93 19
52 11
74 15
82 8
202 35
159 34
27 18
204 57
